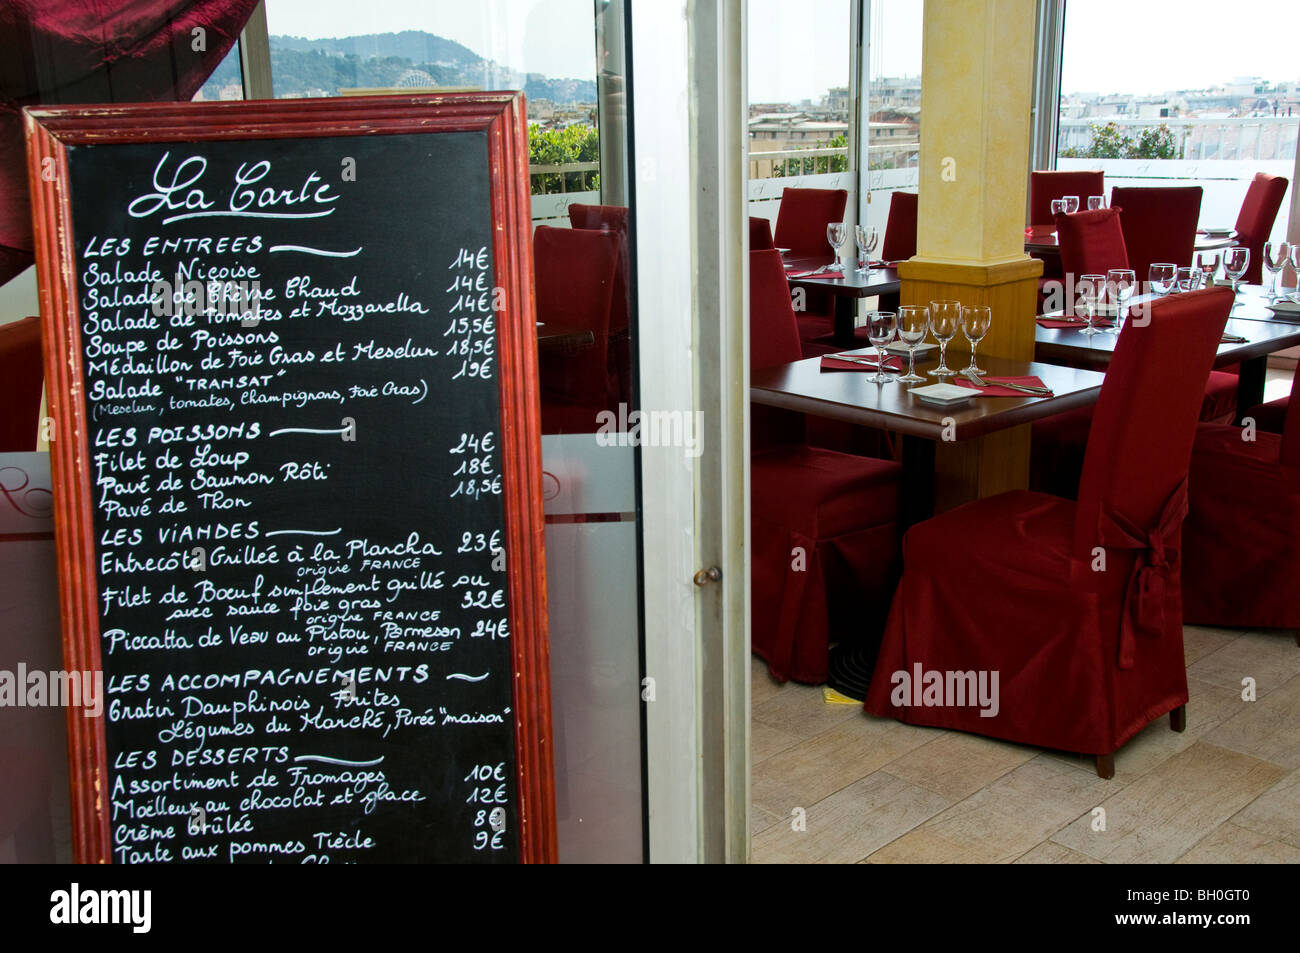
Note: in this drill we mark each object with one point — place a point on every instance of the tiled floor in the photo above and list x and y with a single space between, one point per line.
834 785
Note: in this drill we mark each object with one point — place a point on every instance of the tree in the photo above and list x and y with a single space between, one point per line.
1155 143
1109 143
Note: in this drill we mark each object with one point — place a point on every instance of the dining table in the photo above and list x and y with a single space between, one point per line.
1041 239
846 287
1249 338
966 430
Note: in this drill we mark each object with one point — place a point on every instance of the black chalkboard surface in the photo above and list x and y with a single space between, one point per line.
297 472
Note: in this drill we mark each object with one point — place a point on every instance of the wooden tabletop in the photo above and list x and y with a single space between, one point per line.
851 396
854 284
1072 347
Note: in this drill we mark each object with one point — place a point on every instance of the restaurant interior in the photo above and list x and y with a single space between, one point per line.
993 433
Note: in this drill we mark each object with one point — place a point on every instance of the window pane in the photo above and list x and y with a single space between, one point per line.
893 105
226 81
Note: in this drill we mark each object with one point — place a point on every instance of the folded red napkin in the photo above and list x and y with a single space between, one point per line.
994 391
1055 323
832 363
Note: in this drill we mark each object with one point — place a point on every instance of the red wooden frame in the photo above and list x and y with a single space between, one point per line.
49 130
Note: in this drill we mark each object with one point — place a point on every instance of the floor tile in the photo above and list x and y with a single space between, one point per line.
957 764
1049 853
1276 812
1230 844
1270 658
1267 728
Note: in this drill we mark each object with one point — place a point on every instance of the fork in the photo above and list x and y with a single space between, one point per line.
1023 388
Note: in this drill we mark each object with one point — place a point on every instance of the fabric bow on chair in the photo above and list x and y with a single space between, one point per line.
1155 568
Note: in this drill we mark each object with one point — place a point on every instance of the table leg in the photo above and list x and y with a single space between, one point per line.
916 501
1250 384
846 314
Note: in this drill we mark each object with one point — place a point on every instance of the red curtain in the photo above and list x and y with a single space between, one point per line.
96 51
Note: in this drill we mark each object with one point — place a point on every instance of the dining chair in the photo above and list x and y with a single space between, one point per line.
614 218
1046 186
1069 612
576 274
1255 220
900 228
803 217
1269 417
1159 224
21 381
1241 542
823 525
760 233
1091 242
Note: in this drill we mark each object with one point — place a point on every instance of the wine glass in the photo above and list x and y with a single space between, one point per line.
1276 255
1058 207
837 235
1208 262
881 326
945 319
1187 279
1071 203
1096 202
1090 289
1120 283
1295 266
913 321
1235 262
975 322
1161 276
866 237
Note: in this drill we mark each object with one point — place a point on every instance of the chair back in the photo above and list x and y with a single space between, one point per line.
1255 220
21 379
1045 186
1140 444
576 277
1159 224
610 217
773 327
760 233
900 229
805 213
1091 242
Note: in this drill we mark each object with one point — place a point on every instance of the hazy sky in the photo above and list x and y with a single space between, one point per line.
800 48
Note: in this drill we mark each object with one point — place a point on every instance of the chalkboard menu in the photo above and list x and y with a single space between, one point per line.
289 350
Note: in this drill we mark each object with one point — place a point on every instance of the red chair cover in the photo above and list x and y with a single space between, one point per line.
900 229
1045 186
760 233
1255 220
575 281
823 530
614 218
1159 224
1086 653
21 380
1270 417
1091 243
805 213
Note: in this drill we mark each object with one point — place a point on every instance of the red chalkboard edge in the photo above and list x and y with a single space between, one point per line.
49 131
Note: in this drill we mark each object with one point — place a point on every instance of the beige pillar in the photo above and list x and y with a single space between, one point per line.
976 89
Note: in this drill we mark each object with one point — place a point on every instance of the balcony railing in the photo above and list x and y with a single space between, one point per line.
782 163
1252 137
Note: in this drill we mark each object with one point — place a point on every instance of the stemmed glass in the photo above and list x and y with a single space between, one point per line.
1120 283
866 237
1091 288
975 322
1276 255
1295 266
1058 207
1161 277
881 326
1071 203
1235 262
1187 279
837 235
913 320
1096 202
1208 262
945 319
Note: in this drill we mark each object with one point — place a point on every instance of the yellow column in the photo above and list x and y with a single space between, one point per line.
976 89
